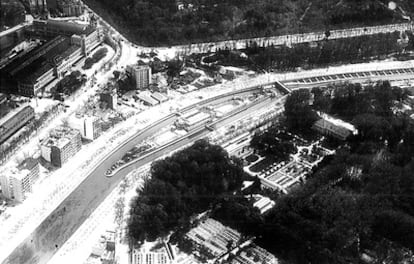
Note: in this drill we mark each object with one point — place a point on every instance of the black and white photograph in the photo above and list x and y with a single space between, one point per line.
206 132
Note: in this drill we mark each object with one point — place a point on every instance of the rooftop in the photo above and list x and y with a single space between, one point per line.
28 164
338 122
146 98
197 118
60 136
68 26
159 97
214 236
13 112
32 57
263 203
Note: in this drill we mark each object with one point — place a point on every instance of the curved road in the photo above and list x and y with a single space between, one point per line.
57 228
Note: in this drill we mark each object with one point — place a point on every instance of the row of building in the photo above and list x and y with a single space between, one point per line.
215 241
213 238
43 66
65 141
151 98
62 144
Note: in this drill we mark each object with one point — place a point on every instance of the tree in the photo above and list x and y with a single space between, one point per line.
299 114
174 68
187 183
268 143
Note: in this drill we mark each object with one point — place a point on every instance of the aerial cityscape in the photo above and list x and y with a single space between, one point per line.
206 131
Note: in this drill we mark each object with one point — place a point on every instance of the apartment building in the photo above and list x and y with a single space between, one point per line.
110 98
90 127
15 120
62 144
17 182
141 74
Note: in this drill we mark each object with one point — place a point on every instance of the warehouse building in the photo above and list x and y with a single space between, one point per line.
45 65
15 120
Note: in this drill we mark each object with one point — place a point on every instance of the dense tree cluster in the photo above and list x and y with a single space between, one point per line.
311 55
97 56
11 13
270 143
361 200
237 211
299 114
165 22
346 208
371 110
187 183
68 85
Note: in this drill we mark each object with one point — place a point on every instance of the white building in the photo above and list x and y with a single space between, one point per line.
17 182
89 126
192 119
262 203
239 146
147 99
147 257
334 127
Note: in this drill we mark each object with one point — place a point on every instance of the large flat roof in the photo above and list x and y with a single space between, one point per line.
34 55
337 122
12 113
48 54
60 136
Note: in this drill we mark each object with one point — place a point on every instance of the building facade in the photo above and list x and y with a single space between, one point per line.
18 182
42 66
90 127
110 98
15 120
71 8
141 75
62 144
142 257
337 128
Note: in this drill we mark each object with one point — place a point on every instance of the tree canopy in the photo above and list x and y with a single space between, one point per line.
187 183
361 200
299 114
165 22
